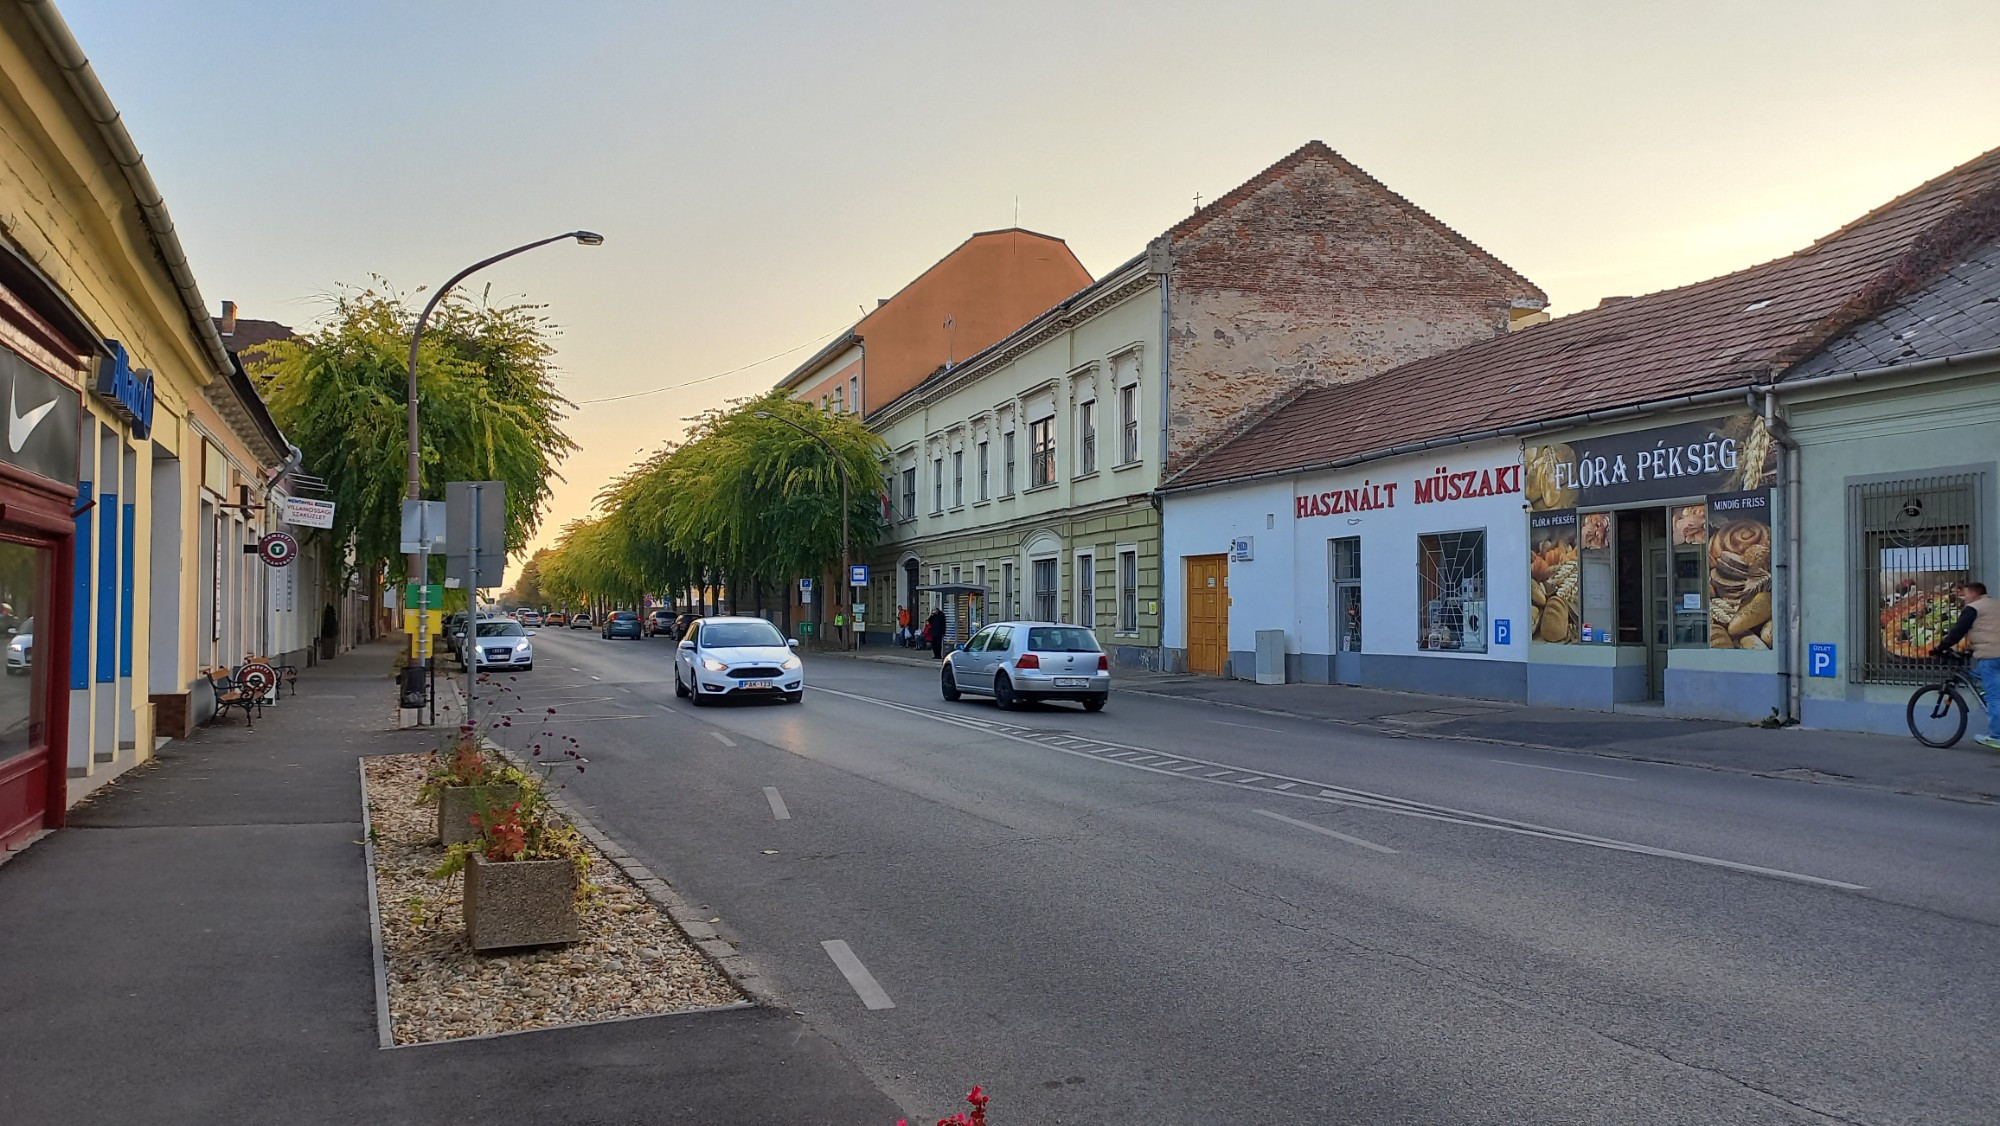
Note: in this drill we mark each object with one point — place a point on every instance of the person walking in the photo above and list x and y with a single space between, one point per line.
903 626
934 633
1979 622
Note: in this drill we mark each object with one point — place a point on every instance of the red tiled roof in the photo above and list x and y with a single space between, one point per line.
1726 332
249 334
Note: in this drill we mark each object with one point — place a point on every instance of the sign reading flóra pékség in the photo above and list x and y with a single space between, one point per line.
1722 455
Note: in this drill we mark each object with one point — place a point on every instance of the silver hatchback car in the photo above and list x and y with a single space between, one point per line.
1018 661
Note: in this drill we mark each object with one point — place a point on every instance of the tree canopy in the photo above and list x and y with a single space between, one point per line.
489 409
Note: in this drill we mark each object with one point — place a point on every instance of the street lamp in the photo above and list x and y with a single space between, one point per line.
845 563
414 488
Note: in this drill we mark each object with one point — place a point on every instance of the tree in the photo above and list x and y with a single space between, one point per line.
527 588
490 410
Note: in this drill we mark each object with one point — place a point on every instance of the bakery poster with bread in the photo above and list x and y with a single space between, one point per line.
1739 570
1554 577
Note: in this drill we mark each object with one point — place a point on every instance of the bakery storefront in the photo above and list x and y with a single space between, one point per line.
38 503
1650 568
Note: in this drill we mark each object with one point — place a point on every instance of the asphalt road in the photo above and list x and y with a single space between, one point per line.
1177 913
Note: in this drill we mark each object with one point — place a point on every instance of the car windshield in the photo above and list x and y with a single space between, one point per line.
501 629
1061 639
624 616
732 635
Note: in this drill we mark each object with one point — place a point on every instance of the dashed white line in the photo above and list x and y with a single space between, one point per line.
1324 831
778 810
1124 754
723 739
1563 770
1284 785
1249 781
1189 766
1248 726
870 991
1218 774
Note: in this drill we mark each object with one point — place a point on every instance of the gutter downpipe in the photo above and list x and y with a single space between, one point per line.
76 68
1790 655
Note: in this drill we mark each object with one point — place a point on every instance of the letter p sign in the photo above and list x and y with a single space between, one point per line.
1820 660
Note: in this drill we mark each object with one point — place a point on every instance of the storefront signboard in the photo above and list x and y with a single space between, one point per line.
128 391
1729 454
42 415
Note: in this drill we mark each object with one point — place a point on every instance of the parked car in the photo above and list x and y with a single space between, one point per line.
723 658
660 622
681 623
556 618
504 644
579 620
21 649
528 616
623 623
1015 662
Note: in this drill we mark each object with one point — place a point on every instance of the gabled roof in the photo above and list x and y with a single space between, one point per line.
1956 313
1321 151
1732 331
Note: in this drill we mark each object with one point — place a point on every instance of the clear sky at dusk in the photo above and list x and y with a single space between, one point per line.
762 172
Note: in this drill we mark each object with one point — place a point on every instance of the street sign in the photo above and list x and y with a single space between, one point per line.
432 600
278 549
805 592
307 513
857 575
491 534
805 629
423 527
1821 659
1503 631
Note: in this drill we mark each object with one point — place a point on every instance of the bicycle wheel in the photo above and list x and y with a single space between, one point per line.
1937 715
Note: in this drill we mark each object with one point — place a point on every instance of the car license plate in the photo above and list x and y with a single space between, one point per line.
1072 682
753 684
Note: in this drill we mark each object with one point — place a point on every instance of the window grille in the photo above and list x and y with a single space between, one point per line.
1128 591
1347 594
1045 590
1451 591
1916 541
1086 591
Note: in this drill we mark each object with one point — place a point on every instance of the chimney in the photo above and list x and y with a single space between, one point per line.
228 325
881 301
1605 301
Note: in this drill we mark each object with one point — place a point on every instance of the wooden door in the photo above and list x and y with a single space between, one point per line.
1207 613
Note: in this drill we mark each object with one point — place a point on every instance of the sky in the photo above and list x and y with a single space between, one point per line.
763 172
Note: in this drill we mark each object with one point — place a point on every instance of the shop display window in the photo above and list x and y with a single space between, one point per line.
1347 594
1451 591
1917 540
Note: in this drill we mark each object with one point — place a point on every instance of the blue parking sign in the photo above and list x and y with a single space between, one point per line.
1503 631
1820 659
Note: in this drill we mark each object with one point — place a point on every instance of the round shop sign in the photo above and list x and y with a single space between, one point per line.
257 677
277 549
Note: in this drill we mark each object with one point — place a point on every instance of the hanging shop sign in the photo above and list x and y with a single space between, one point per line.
127 391
1730 454
42 414
307 513
277 549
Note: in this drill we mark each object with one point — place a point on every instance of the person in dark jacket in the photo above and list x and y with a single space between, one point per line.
934 633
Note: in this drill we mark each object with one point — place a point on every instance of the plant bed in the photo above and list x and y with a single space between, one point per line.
458 804
628 959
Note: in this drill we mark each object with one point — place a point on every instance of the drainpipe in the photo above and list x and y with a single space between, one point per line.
1166 373
1790 652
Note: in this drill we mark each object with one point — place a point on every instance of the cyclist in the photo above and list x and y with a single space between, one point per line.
1980 621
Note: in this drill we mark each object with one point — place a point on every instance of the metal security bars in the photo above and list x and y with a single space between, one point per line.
1451 591
1916 540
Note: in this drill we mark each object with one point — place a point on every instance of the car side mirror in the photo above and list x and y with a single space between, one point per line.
790 642
963 645
11 631
687 644
531 632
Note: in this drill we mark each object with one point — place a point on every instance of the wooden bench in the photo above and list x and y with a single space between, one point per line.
229 694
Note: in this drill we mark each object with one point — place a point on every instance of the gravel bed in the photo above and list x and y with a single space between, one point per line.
632 961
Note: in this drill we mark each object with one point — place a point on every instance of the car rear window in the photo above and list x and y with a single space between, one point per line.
730 635
1061 639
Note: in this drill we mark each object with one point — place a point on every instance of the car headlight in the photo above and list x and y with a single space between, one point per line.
790 663
17 645
712 665
522 647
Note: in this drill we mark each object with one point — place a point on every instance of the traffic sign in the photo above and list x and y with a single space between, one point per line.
857 575
1503 631
278 549
1821 659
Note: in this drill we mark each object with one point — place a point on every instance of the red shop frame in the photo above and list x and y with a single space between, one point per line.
34 513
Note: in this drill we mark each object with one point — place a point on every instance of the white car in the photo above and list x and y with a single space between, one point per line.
21 649
721 658
503 644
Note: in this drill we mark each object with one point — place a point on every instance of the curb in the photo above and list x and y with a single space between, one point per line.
385 1021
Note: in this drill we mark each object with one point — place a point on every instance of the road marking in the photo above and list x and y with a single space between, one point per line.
1563 770
1122 754
1323 830
597 678
1248 781
1248 726
723 739
1218 774
1286 785
778 810
1381 803
1154 759
870 991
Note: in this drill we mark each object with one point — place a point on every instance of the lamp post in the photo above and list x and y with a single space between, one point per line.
418 565
845 563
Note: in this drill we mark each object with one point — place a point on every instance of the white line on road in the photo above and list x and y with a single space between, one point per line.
1323 830
872 994
1248 726
723 739
1248 781
1123 754
1193 766
597 678
1218 774
778 810
1285 785
1563 770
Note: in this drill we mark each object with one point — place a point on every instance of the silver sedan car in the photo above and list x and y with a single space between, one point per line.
1019 661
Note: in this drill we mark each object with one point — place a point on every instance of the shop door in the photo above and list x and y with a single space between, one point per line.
1645 591
29 771
1207 613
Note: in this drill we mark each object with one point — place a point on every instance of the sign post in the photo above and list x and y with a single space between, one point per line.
476 544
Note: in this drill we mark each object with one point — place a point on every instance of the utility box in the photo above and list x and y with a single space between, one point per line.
1270 656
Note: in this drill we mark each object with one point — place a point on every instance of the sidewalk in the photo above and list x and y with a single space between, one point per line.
195 948
1967 772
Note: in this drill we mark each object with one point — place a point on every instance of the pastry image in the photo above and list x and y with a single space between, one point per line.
1739 585
1554 592
1690 524
1596 535
1540 483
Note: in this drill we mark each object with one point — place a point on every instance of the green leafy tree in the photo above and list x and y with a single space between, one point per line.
490 410
527 588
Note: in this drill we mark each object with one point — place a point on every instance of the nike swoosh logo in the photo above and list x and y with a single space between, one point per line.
21 427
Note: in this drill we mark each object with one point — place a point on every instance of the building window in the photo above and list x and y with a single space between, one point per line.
1086 438
1042 453
957 478
1451 591
910 493
1007 590
838 402
985 477
1007 460
1044 576
937 485
1128 590
1347 594
1918 540
854 394
1086 590
1128 420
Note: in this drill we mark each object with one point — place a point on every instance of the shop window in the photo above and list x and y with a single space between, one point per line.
1128 590
1451 591
24 601
1042 453
1086 590
1347 594
1044 575
1918 539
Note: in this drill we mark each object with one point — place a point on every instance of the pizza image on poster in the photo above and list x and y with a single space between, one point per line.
1739 570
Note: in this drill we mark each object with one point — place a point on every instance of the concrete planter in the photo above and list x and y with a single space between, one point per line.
457 804
520 903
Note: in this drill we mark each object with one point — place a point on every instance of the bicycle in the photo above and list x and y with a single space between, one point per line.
1937 714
